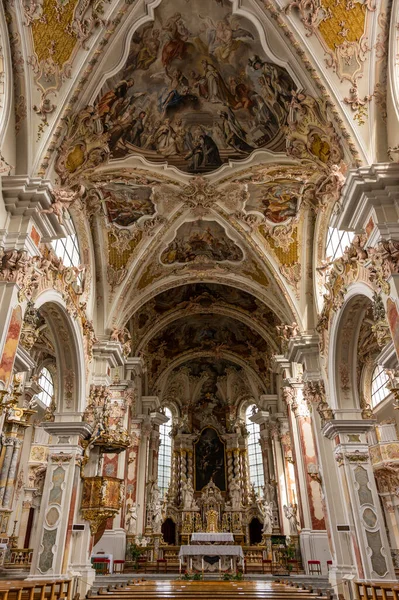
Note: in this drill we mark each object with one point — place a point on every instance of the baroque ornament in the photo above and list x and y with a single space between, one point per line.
341 28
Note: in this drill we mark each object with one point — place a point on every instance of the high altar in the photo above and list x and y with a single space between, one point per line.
210 510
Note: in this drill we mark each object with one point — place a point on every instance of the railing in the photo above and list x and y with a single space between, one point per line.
18 557
373 590
44 590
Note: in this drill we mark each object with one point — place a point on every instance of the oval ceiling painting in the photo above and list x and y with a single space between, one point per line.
196 90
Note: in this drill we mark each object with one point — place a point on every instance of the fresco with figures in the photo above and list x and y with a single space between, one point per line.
196 90
201 240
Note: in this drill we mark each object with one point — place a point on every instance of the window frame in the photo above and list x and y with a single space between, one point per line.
165 454
256 471
343 239
45 393
382 378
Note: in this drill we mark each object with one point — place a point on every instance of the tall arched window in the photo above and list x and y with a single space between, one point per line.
47 385
165 454
255 459
337 241
378 386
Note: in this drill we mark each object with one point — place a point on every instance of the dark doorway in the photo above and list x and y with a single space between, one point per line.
255 531
169 532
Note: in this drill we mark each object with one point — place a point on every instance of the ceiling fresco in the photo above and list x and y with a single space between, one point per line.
198 298
126 204
206 335
201 241
196 90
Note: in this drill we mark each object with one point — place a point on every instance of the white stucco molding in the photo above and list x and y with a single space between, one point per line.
371 192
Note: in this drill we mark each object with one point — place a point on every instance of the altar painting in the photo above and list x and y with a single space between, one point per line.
209 460
196 90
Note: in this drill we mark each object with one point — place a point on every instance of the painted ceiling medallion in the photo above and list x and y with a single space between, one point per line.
201 241
196 90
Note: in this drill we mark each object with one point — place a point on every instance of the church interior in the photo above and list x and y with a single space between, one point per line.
199 299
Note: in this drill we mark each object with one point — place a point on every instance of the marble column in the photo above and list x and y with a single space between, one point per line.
364 519
56 553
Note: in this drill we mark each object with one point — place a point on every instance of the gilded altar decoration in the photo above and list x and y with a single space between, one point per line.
101 500
212 521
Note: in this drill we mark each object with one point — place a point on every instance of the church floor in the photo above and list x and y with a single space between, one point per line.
207 589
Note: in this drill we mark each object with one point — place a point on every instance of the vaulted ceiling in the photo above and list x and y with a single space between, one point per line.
209 141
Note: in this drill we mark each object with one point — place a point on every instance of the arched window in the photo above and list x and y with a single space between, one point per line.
165 454
337 241
67 249
378 386
255 459
47 385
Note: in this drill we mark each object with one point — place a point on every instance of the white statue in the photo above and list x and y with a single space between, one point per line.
235 494
266 509
188 495
268 492
131 519
155 497
290 512
157 521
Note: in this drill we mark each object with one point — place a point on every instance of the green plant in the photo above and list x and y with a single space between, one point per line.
186 576
197 576
133 553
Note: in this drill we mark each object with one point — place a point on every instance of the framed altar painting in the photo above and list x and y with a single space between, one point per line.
209 460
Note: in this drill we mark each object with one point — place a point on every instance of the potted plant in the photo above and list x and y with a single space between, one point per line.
134 552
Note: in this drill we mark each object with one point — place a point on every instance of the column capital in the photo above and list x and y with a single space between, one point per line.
347 427
65 430
25 199
370 201
260 417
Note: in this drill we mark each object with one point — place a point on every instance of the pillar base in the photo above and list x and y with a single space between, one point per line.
314 546
113 541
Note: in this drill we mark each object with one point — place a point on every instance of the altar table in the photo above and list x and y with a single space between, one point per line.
205 550
212 537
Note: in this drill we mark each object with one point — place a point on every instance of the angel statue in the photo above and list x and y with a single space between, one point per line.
290 512
266 510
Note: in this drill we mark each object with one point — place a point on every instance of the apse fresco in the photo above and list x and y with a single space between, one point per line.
201 240
204 294
196 90
125 203
206 332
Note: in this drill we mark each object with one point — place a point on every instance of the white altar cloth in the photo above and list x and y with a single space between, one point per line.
213 550
212 537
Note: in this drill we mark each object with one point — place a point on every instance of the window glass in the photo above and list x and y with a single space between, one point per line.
337 241
378 386
67 249
255 459
165 454
47 385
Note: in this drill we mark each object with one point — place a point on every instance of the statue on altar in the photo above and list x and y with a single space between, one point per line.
188 495
290 512
131 519
235 495
266 510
